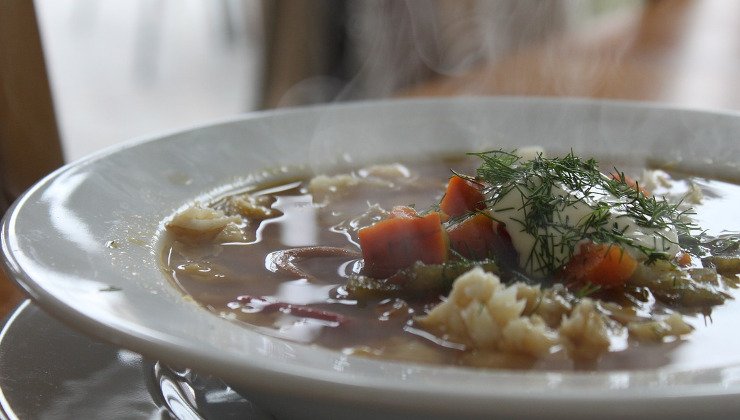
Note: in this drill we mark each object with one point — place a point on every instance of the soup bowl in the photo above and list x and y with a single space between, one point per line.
86 244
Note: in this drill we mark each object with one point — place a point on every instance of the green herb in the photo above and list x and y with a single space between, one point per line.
543 209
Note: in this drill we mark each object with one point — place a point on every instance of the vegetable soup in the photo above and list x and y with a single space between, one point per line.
510 260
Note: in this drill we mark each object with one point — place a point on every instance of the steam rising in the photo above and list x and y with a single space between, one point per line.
389 48
386 48
405 42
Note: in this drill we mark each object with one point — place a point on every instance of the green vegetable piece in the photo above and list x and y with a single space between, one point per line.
418 280
363 287
728 266
695 288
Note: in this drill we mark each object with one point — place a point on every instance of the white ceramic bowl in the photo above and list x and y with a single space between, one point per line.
85 243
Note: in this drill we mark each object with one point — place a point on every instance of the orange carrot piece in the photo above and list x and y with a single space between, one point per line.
474 238
631 182
479 237
683 259
401 240
461 196
603 264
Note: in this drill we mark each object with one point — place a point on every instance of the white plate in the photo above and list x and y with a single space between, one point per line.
66 375
85 244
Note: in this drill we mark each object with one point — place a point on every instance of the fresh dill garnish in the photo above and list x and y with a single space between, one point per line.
549 186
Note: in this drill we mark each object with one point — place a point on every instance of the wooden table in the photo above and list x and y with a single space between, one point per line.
684 52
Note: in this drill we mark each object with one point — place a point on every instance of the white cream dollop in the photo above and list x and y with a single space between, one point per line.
576 207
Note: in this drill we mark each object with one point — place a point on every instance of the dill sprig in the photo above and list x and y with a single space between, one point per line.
543 209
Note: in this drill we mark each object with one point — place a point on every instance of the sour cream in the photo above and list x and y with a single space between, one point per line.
553 245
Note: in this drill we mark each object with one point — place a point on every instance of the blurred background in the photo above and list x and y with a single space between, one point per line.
120 70
100 72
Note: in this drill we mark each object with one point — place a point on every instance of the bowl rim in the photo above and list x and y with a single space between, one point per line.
155 343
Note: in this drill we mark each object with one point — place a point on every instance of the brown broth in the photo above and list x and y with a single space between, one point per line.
384 328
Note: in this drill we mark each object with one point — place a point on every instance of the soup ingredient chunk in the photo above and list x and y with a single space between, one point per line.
479 237
419 280
484 314
461 197
402 239
199 223
601 264
662 327
584 333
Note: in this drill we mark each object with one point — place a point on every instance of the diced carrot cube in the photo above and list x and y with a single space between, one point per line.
401 240
461 196
480 237
603 264
474 238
